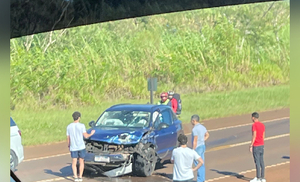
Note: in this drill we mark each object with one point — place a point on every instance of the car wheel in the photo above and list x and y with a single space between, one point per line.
13 161
145 166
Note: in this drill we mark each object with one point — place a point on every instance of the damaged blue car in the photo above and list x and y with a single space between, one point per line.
132 138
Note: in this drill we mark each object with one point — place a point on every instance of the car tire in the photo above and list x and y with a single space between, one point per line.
13 161
145 167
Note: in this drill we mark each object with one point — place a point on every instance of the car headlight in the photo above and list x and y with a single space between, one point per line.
126 137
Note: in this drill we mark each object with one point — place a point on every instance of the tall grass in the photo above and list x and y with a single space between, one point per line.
50 125
207 50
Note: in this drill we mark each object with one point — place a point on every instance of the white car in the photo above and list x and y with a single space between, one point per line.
16 147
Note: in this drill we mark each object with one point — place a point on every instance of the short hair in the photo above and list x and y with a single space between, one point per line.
255 115
195 117
76 115
182 139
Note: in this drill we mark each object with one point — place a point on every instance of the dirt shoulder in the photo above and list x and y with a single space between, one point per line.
31 152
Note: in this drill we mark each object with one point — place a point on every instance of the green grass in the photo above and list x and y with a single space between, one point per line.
217 49
47 126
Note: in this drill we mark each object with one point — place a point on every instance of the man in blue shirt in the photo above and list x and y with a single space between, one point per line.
199 136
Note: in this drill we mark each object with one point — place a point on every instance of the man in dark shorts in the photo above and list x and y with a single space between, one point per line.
257 147
75 133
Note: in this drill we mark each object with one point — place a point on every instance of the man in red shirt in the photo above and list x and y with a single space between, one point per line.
173 101
257 147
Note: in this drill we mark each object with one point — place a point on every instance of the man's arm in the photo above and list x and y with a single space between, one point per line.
172 158
86 135
253 139
206 136
68 139
200 163
195 142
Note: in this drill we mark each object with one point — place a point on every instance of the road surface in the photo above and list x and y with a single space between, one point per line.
226 157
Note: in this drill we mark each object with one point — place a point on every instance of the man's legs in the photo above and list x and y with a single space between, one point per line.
256 156
81 163
74 155
201 171
262 163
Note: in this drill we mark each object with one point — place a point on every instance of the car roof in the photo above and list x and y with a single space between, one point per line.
137 107
12 122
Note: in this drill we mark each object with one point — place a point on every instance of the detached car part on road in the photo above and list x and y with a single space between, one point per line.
131 138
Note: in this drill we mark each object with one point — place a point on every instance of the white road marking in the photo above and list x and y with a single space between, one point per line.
236 126
269 138
57 179
248 171
210 180
220 148
58 155
245 143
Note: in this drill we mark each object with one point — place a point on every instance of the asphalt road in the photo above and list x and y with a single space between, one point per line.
227 154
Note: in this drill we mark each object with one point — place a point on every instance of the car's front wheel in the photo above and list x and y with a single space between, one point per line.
145 165
13 161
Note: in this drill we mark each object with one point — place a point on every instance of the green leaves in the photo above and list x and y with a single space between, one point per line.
216 49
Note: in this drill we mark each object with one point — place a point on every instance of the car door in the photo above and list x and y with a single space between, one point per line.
165 138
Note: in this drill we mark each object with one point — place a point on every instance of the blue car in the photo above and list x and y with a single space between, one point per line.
132 138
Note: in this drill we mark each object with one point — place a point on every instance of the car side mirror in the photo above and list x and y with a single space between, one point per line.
92 124
162 126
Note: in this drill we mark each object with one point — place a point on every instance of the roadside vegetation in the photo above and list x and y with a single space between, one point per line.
224 61
47 126
218 49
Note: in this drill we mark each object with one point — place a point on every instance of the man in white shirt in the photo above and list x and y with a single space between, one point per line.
75 133
183 158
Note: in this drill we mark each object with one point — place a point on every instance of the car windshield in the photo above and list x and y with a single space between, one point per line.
130 119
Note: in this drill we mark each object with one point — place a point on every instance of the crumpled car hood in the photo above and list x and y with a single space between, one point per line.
117 135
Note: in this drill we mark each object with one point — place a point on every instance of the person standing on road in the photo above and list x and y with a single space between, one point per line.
75 133
183 158
257 147
199 136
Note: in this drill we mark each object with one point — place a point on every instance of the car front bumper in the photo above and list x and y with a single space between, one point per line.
106 159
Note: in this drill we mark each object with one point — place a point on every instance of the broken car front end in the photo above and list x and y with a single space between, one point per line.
118 155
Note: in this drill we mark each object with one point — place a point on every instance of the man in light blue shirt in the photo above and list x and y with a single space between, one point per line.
199 136
75 133
183 158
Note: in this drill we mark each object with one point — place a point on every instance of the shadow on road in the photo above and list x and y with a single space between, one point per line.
67 172
169 176
63 172
227 173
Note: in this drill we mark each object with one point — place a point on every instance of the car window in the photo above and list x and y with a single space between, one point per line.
166 117
174 117
124 119
12 122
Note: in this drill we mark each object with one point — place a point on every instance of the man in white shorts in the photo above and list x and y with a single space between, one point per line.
183 158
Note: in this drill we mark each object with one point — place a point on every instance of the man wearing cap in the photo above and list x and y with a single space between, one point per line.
173 101
164 99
